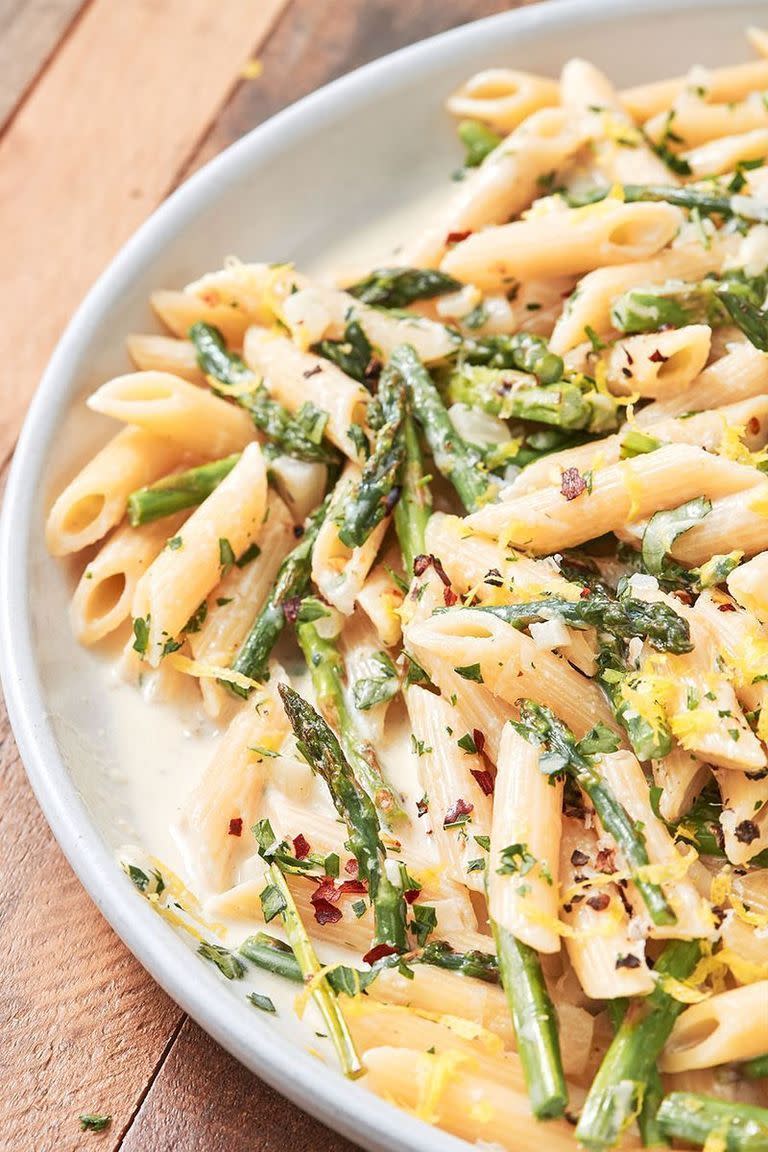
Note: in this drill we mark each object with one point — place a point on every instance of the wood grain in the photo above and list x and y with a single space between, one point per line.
93 150
240 1115
29 32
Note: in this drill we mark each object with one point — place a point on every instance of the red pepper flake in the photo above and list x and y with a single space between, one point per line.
422 806
658 357
300 847
291 608
599 901
572 483
326 890
373 369
450 597
378 952
352 887
457 237
753 426
351 866
211 298
585 593
605 861
236 826
325 912
312 371
484 779
412 895
479 739
628 355
746 831
298 531
460 809
628 961
726 607
579 858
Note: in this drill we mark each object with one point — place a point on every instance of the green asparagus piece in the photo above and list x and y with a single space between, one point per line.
659 624
701 200
563 404
523 350
695 1119
535 1024
272 955
353 354
756 1069
650 1132
399 287
476 965
300 435
715 301
457 460
178 491
618 1089
414 507
326 668
749 317
539 725
291 583
378 490
479 141
310 969
650 741
322 751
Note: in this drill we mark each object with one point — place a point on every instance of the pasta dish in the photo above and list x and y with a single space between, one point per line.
462 563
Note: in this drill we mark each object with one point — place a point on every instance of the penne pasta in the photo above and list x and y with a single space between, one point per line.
728 1027
151 353
718 84
502 97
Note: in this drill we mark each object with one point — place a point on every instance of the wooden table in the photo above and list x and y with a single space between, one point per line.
105 106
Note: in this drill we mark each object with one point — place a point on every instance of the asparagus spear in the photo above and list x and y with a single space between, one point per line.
715 301
618 1089
535 1024
310 969
353 354
326 668
650 737
659 624
322 751
563 404
756 1069
539 725
523 350
696 1119
399 287
291 583
701 200
414 507
459 461
181 490
300 435
378 490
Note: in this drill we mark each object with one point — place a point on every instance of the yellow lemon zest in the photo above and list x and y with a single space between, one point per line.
438 1072
311 986
204 671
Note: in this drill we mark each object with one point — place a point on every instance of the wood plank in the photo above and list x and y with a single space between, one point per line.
318 40
84 1026
29 32
239 1114
94 149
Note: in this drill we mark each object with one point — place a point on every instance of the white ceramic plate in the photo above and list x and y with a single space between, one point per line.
291 189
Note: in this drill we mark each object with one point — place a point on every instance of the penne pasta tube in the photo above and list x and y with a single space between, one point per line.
151 353
339 571
561 243
236 602
104 594
737 522
503 97
707 429
546 520
742 642
731 1026
620 152
748 584
479 646
96 499
524 860
590 304
215 536
483 1109
726 154
696 122
243 288
301 484
456 782
602 931
294 377
658 364
381 599
508 180
742 374
733 82
169 406
626 780
681 777
180 310
744 819
231 789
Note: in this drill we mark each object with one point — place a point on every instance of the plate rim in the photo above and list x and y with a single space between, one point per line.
287 1068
